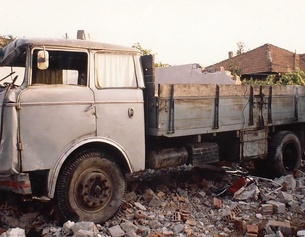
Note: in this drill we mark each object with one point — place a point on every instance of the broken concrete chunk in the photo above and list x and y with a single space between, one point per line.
145 230
293 205
116 231
148 195
259 216
128 226
85 233
301 233
140 206
279 233
53 231
14 232
29 217
269 230
247 193
284 227
288 183
178 228
130 197
285 197
132 234
278 207
191 222
167 232
155 202
154 224
67 227
89 226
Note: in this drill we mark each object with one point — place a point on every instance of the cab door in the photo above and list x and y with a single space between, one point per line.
56 110
119 104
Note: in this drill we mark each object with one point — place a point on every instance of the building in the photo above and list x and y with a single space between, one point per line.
261 62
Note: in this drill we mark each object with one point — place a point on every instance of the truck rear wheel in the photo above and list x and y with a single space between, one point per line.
90 188
285 153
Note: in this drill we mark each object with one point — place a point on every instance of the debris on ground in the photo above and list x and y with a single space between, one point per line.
183 202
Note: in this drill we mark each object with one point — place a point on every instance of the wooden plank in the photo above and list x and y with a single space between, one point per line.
195 90
194 107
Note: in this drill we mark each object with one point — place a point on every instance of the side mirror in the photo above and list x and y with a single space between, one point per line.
43 59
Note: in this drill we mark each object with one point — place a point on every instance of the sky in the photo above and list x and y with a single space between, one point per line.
177 32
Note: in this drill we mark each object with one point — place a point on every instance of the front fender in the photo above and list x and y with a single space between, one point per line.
54 172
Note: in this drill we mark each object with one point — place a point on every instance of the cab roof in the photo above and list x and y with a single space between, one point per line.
73 43
15 46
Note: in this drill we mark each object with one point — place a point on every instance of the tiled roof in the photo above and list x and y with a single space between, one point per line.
264 59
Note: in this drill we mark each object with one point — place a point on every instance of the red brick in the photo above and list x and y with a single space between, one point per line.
252 229
217 203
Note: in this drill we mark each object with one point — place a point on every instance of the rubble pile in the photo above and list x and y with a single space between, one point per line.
186 202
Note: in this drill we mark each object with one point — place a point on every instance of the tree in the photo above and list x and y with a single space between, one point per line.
5 40
148 52
240 48
235 69
142 50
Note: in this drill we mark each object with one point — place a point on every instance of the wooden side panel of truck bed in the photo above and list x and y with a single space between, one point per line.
184 109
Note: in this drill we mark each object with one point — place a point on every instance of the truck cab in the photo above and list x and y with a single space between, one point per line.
71 103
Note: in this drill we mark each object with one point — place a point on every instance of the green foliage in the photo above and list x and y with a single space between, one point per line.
161 65
148 52
141 49
296 77
268 81
235 69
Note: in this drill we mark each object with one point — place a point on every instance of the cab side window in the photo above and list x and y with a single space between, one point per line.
116 71
65 68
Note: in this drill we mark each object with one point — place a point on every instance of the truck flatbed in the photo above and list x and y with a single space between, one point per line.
182 109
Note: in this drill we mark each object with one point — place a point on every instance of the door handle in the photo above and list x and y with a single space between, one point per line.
130 112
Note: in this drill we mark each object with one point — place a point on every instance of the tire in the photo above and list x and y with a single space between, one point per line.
90 188
285 153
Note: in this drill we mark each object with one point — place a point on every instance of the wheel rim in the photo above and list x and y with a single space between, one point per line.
93 190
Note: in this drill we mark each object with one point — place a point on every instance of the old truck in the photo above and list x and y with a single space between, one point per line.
77 116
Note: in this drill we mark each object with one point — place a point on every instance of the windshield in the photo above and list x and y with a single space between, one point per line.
7 75
12 64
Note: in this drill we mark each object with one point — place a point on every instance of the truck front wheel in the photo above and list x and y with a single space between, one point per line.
285 153
90 188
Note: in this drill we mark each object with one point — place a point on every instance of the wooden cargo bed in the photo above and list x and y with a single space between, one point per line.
181 110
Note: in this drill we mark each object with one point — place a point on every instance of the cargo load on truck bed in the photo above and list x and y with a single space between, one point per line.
188 109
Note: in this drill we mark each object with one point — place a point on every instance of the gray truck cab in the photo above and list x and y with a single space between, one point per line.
72 123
